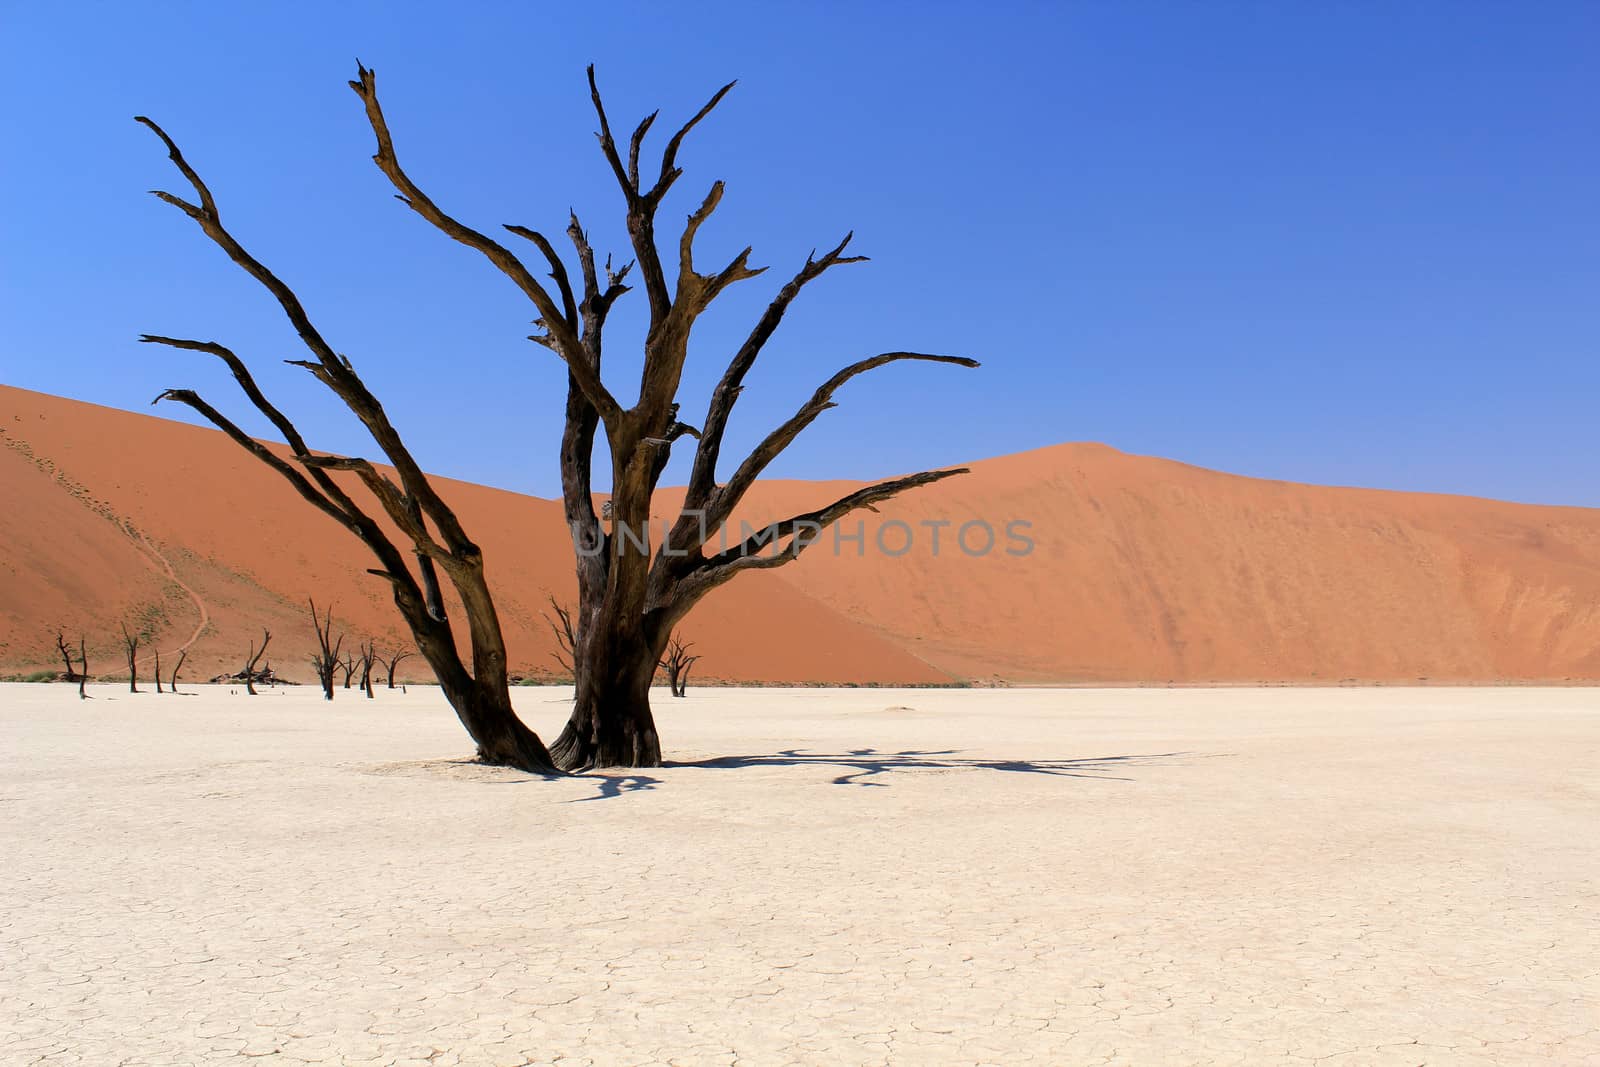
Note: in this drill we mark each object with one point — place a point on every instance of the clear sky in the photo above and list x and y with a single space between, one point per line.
1341 243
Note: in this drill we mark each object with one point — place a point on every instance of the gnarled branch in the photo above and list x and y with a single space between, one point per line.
329 367
563 330
712 571
724 500
702 480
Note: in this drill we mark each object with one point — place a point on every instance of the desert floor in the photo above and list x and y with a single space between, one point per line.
1333 876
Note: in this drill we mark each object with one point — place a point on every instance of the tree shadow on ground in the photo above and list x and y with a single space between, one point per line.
861 766
614 785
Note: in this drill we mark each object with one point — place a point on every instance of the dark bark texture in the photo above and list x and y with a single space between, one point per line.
630 596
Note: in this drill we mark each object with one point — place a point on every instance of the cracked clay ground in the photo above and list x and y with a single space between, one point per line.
1298 876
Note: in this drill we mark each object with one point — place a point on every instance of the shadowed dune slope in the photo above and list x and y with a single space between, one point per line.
1140 569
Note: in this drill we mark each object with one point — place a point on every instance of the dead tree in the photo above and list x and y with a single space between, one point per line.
157 670
83 672
172 683
348 665
254 657
677 664
566 640
326 661
130 642
630 597
391 663
369 656
66 655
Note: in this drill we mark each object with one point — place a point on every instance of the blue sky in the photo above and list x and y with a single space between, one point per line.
1341 243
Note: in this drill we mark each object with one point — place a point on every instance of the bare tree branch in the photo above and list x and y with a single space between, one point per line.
565 654
191 399
562 329
400 508
715 570
558 270
702 480
330 368
724 500
247 383
669 158
635 144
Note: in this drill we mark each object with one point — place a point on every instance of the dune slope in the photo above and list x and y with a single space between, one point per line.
1103 567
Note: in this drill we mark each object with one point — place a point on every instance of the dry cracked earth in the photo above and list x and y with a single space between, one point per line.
1331 877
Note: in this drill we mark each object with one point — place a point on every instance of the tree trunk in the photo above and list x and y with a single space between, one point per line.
611 723
485 711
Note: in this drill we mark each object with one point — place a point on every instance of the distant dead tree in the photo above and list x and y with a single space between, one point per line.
348 665
83 672
66 655
252 658
369 656
158 670
172 684
560 624
131 643
326 661
630 596
391 663
677 664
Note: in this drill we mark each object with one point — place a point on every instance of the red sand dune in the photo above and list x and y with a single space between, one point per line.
1141 570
